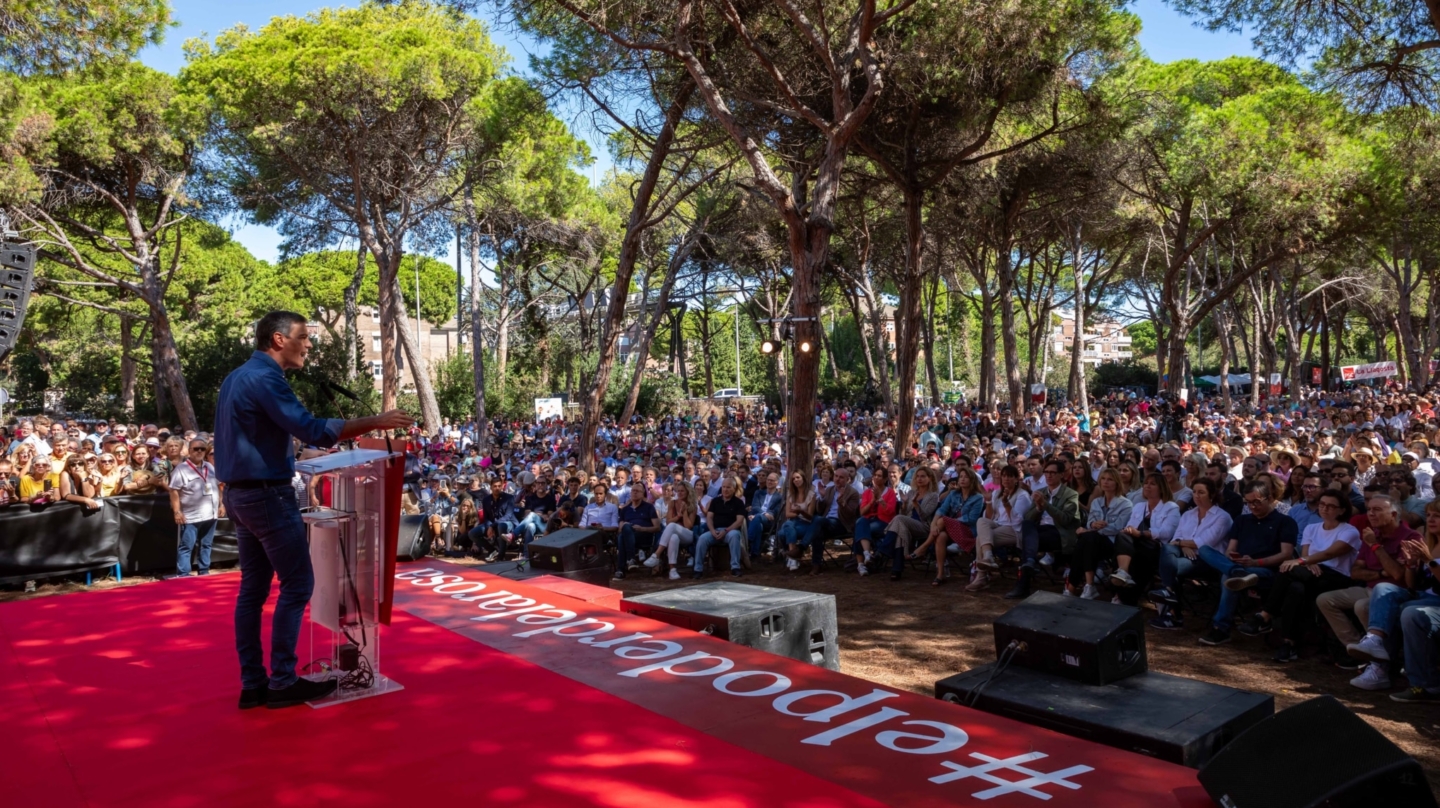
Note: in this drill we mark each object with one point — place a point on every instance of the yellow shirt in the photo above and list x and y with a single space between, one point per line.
29 486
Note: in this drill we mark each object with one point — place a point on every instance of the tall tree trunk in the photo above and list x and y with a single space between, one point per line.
908 318
854 301
1325 355
1255 379
477 336
828 341
930 341
1005 271
352 315
420 371
167 366
127 366
639 222
989 378
647 335
1227 348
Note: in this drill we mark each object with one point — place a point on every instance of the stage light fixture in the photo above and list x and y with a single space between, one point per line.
805 346
769 346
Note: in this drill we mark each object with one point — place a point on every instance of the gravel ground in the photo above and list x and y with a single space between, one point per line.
909 634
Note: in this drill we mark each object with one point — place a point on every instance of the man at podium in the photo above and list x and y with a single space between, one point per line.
254 420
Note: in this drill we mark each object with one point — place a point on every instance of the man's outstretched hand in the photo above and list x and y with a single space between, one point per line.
395 419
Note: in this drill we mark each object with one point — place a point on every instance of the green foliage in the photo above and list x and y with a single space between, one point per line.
59 35
455 385
661 393
318 280
1143 341
1124 374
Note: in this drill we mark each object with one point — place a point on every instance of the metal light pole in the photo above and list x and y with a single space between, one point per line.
738 390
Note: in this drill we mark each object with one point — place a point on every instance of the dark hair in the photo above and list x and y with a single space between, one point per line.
1347 509
1172 463
1212 490
276 322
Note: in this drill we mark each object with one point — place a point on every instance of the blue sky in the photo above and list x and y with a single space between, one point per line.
1166 36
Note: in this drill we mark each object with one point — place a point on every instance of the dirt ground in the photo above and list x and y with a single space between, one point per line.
909 634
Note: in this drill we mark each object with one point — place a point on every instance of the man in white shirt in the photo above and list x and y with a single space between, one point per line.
194 498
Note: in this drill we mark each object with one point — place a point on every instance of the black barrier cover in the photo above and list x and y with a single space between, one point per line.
57 539
63 538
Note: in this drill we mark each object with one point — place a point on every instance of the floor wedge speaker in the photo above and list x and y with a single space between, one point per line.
1086 640
1316 754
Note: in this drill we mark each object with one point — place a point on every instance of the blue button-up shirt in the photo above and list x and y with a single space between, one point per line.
1304 517
254 419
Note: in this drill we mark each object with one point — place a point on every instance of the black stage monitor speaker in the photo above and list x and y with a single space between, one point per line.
798 625
1316 754
1172 718
521 570
415 539
1085 640
569 550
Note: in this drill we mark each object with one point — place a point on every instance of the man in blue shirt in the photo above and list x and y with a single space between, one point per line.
637 517
1306 513
255 419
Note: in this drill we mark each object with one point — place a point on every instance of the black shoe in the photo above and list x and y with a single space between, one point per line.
1168 621
735 573
1215 636
302 691
254 697
1022 585
697 575
1164 596
1255 626
1415 695
1286 653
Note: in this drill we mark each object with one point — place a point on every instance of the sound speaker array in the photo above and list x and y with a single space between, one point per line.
17 270
1086 640
415 539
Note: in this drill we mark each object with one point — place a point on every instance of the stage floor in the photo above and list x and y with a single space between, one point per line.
126 698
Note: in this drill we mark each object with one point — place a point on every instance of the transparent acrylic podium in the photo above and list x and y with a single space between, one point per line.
347 551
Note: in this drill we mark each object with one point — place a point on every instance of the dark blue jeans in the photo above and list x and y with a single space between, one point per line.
189 533
628 541
271 539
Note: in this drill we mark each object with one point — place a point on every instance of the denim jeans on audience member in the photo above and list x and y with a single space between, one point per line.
796 531
1420 624
1174 566
867 528
755 534
627 543
190 532
271 540
529 527
1224 618
702 548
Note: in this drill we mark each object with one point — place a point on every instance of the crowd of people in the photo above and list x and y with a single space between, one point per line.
1313 518
84 461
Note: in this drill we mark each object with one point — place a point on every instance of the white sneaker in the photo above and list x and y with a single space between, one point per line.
674 574
1047 560
1089 592
864 570
791 564
1067 593
869 556
1373 677
1116 600
1371 648
952 547
1121 578
653 561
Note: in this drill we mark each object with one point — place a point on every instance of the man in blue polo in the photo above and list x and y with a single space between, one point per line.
255 418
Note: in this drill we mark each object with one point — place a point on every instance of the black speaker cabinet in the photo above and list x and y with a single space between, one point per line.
520 570
1086 640
1172 718
798 625
414 539
1316 754
570 550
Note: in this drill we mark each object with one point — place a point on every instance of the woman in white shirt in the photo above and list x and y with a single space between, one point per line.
1327 549
1205 525
1152 520
680 518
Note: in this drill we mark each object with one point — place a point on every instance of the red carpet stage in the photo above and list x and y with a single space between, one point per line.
514 696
